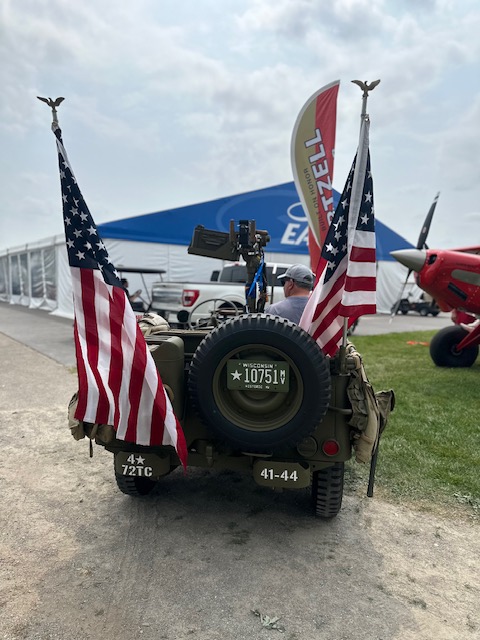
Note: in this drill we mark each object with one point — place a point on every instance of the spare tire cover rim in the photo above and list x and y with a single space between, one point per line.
271 410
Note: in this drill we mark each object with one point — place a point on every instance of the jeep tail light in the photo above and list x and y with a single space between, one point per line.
330 447
189 297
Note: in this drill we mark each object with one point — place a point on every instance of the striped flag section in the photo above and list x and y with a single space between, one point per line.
119 384
346 273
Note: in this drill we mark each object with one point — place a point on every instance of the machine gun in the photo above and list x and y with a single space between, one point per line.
248 242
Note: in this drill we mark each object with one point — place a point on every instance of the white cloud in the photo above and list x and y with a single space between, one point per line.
458 149
168 103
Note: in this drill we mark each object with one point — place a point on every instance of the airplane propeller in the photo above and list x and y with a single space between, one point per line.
411 258
422 238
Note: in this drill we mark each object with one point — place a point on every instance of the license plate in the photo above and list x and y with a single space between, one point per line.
292 475
146 465
257 375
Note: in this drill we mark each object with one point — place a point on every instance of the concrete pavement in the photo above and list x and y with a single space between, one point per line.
383 323
50 335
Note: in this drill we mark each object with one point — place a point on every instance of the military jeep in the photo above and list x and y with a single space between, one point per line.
254 393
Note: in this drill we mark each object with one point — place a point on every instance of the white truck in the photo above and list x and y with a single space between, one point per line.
176 301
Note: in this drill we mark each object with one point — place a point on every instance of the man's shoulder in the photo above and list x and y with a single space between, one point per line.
276 306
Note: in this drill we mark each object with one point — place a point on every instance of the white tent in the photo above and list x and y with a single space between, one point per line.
37 275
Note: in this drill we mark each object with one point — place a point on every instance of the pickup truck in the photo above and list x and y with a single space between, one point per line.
178 302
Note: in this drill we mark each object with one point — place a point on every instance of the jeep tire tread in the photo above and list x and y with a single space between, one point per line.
134 485
257 420
327 490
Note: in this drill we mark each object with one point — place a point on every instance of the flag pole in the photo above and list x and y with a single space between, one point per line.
366 87
133 401
364 118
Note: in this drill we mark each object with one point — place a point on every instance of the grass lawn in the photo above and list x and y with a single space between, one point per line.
429 453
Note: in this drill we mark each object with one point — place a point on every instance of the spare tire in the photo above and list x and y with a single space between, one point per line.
260 383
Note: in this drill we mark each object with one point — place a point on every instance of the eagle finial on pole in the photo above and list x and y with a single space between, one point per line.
365 86
53 104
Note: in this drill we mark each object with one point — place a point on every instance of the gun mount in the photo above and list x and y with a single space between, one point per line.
247 242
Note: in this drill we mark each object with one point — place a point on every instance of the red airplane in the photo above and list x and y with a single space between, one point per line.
452 278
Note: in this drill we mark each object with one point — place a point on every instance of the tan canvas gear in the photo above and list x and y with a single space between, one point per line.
152 323
101 433
386 404
370 411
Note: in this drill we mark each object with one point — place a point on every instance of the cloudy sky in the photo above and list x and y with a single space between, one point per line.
169 103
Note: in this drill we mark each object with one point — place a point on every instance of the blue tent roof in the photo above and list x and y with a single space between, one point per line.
276 209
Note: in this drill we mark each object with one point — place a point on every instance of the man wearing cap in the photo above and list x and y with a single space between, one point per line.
297 283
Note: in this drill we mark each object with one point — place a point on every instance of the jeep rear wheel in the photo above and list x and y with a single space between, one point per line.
327 490
258 418
135 486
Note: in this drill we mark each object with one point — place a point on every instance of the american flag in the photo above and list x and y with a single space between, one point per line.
346 273
119 384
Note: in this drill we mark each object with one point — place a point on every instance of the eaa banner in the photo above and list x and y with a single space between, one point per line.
312 151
